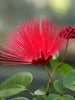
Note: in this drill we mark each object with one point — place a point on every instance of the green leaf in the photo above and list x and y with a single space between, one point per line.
57 97
42 90
15 85
10 92
53 97
19 98
40 98
68 97
54 63
34 98
65 68
58 71
58 86
69 80
19 80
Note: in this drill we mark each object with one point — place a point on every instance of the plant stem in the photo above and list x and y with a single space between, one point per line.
59 65
62 59
64 54
47 91
48 73
31 93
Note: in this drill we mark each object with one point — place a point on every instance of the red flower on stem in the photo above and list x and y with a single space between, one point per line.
33 42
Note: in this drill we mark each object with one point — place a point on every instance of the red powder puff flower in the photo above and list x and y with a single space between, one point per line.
32 43
69 31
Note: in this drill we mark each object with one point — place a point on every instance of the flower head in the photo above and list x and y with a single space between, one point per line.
68 31
32 42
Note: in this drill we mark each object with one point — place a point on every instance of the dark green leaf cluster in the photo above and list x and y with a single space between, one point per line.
15 85
56 91
64 69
